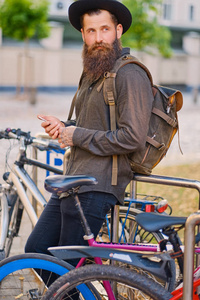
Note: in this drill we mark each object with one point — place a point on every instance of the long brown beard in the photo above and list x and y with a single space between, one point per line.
97 61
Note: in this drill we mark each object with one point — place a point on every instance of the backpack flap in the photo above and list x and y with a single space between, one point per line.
169 93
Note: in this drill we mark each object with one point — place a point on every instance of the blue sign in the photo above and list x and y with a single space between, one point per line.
54 158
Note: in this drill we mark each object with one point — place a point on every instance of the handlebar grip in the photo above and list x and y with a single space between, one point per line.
54 146
12 135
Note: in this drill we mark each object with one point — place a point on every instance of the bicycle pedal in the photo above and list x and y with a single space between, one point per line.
34 294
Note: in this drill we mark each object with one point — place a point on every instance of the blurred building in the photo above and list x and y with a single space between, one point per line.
181 17
59 8
179 14
56 65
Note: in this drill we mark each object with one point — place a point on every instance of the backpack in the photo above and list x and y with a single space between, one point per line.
163 123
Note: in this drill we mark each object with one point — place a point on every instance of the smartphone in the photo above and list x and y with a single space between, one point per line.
42 119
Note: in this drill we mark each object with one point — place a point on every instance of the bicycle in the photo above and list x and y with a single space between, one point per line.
59 184
62 287
13 193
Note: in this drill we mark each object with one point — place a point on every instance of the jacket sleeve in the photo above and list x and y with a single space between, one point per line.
133 108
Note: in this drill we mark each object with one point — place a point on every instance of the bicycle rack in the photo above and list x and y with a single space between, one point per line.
192 221
173 181
156 179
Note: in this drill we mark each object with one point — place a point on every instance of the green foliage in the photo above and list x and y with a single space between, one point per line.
145 31
22 19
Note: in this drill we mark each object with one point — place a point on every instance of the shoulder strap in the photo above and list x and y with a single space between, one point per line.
129 59
72 106
109 92
74 100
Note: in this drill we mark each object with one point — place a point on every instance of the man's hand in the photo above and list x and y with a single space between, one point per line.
66 136
51 125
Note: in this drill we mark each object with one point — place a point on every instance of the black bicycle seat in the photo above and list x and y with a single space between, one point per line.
153 221
62 183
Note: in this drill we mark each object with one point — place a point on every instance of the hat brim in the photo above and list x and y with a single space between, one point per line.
78 8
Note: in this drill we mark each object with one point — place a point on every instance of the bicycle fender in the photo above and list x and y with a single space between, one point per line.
156 264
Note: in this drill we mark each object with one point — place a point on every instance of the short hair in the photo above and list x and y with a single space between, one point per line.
97 12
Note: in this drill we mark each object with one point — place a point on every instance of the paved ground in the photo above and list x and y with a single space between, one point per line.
18 113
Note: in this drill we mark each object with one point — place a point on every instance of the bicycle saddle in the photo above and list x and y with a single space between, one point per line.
63 183
153 222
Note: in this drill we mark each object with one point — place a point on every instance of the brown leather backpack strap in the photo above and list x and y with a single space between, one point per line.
128 59
109 98
72 106
71 110
111 103
108 85
165 117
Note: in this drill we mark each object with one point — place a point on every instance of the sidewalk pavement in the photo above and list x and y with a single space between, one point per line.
16 113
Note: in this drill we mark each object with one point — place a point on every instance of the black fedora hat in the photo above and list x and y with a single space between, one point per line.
80 7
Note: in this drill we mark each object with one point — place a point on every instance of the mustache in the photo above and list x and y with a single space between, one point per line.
96 46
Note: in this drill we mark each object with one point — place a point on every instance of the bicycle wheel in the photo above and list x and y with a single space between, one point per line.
18 276
131 232
130 285
15 208
14 224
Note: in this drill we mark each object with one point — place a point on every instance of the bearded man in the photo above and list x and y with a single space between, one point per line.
93 144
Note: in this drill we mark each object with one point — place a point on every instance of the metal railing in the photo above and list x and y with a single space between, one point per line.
155 179
192 221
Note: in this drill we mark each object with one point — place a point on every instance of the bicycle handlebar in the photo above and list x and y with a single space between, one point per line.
17 134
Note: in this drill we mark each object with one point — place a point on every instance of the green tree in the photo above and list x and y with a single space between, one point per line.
145 32
22 20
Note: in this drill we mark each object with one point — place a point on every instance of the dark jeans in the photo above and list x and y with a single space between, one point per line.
59 223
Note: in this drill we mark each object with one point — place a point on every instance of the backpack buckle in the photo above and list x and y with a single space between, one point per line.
162 147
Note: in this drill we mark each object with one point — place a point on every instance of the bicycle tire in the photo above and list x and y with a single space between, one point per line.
18 276
129 283
14 225
142 237
15 216
136 235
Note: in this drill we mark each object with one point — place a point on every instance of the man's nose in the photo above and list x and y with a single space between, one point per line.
99 37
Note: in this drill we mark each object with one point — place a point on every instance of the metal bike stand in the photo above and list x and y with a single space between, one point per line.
192 221
172 181
115 214
115 224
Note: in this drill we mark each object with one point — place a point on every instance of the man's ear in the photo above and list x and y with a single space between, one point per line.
119 30
82 35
